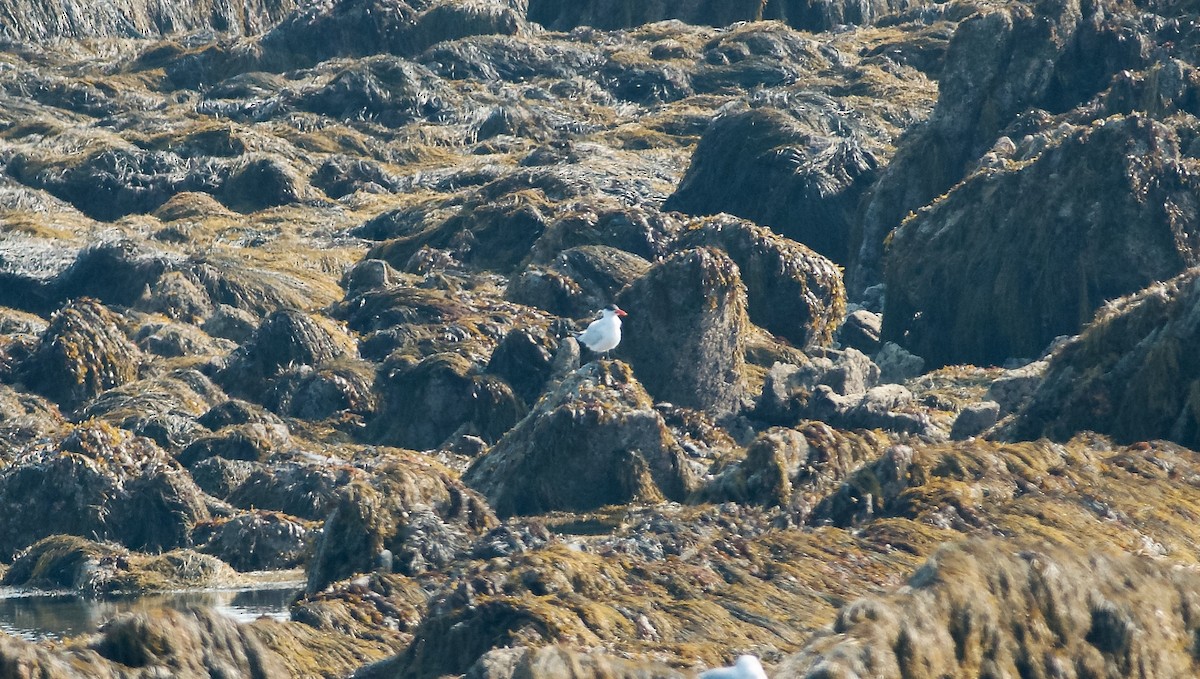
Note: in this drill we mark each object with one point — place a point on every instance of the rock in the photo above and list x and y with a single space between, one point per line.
257 541
74 563
114 182
410 507
39 24
369 274
386 89
163 408
581 280
788 388
489 233
1092 606
559 661
1128 374
175 340
525 360
258 183
452 20
1139 232
594 440
424 403
340 176
82 353
997 65
896 364
115 272
609 15
191 643
230 323
316 394
178 297
800 168
102 483
685 332
284 340
649 234
1015 387
975 419
296 487
794 469
791 291
861 330
253 442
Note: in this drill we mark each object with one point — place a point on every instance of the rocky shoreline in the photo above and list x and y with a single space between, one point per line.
907 388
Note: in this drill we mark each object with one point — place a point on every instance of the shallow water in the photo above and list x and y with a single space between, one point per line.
38 615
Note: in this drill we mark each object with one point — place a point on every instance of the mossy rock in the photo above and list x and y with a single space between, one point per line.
1130 374
284 340
791 291
986 607
1048 271
423 403
686 331
592 441
82 353
404 502
75 563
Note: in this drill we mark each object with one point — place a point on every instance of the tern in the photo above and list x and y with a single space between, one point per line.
604 334
746 667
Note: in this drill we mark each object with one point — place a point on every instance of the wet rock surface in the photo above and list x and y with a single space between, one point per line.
295 287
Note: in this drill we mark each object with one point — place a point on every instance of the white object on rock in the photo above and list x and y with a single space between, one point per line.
746 667
604 334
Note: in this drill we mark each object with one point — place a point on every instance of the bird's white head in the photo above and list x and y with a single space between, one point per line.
750 668
614 309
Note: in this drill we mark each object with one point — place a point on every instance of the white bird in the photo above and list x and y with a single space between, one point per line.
604 333
746 667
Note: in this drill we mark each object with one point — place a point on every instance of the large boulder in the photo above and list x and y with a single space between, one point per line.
791 291
1012 258
995 608
99 482
82 353
410 515
594 440
800 168
1132 373
423 403
685 332
1000 63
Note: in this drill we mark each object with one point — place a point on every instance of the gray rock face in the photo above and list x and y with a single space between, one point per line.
1127 219
975 419
684 335
999 63
594 440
